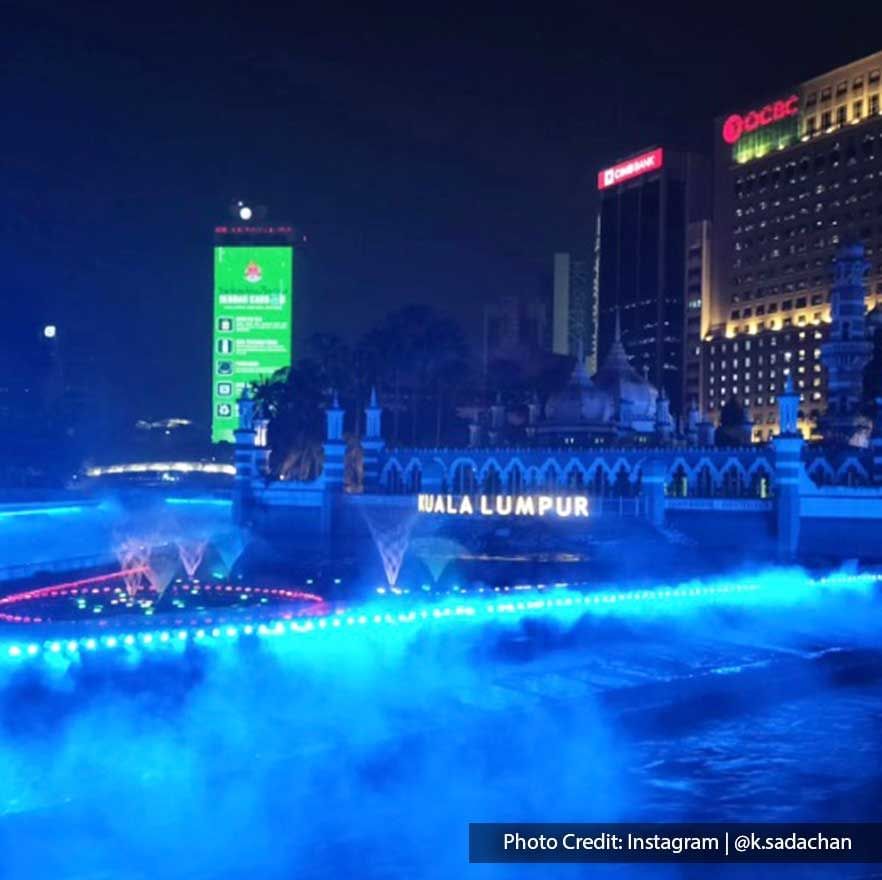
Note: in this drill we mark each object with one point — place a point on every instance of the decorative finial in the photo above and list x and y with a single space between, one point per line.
373 395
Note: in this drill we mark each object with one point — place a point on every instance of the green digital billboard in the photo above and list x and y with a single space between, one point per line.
252 325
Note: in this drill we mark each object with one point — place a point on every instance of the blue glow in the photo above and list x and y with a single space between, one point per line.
560 602
216 502
42 511
181 760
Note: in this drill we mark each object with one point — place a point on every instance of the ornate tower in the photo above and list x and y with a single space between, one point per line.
335 447
847 350
372 443
664 421
245 456
788 473
788 409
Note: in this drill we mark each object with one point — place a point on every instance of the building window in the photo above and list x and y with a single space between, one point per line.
857 109
858 83
826 119
827 91
874 105
841 88
841 115
873 78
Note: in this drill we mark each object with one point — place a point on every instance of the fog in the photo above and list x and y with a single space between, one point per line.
366 752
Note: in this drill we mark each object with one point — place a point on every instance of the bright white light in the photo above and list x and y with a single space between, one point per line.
244 212
49 331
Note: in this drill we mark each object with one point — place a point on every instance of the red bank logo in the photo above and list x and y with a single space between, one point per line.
737 125
641 164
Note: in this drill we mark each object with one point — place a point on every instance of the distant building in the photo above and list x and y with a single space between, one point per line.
698 284
573 309
617 404
647 203
516 329
796 174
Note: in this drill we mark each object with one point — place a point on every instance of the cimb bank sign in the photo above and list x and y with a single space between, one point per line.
563 506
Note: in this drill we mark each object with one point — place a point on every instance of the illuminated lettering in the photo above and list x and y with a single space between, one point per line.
524 506
736 124
504 505
642 164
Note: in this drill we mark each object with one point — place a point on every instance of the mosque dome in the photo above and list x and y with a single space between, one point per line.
625 386
616 394
580 401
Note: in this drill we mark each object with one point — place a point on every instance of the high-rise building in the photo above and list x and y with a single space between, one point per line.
795 175
698 282
647 203
573 310
515 329
252 317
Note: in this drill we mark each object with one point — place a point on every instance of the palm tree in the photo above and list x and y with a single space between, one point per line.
292 399
411 350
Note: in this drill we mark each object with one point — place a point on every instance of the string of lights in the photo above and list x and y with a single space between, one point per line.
564 602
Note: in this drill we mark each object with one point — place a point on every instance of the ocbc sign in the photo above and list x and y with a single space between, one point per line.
737 125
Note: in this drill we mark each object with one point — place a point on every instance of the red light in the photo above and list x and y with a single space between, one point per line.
736 124
642 164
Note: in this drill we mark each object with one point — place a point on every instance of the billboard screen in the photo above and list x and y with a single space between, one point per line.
252 325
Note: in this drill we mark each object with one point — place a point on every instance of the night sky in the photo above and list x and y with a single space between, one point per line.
436 157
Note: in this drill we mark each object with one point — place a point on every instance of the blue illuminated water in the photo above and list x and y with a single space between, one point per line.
367 755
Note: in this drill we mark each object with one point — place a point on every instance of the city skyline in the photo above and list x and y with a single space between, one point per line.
453 190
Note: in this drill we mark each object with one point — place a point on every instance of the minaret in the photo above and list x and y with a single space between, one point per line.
788 409
335 448
497 419
747 428
788 472
847 349
372 443
244 457
693 417
664 421
534 411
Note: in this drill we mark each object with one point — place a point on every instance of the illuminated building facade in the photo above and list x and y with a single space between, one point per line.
252 316
795 176
647 203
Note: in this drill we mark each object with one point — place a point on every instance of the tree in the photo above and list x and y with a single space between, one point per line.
293 400
731 428
412 354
